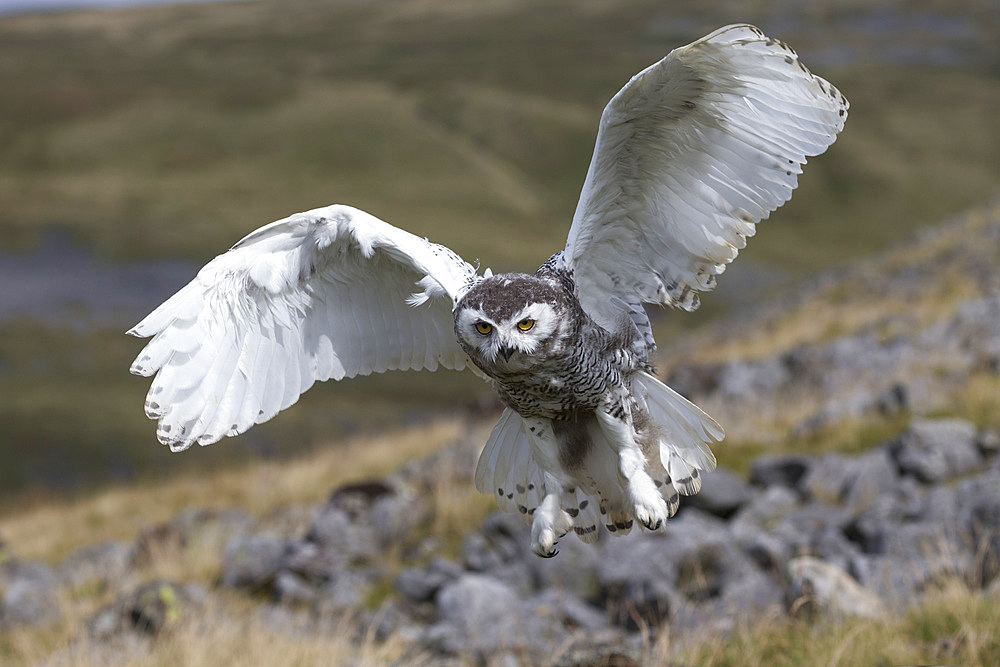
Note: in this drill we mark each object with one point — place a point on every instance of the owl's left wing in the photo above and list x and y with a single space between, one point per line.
329 293
690 155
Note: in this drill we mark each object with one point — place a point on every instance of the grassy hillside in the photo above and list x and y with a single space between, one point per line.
172 131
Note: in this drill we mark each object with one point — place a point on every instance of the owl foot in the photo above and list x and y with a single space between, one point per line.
648 505
549 524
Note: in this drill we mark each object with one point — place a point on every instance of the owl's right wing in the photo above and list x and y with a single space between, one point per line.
329 293
690 155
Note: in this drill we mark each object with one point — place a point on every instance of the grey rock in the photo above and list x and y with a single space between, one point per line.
874 475
344 592
421 585
645 578
643 602
356 499
984 534
988 440
937 450
828 477
816 584
290 587
722 493
253 561
28 594
567 609
105 562
779 469
894 399
148 610
574 569
501 539
342 530
608 648
631 557
752 594
764 510
393 517
481 615
742 378
900 581
816 529
314 562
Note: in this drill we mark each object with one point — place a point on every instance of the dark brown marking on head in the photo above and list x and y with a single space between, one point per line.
503 296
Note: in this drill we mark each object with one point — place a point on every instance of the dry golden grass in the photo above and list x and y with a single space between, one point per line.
955 626
51 529
228 629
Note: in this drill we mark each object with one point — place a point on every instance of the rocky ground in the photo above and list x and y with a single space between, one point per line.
858 534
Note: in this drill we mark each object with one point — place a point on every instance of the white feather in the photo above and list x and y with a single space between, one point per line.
690 154
316 295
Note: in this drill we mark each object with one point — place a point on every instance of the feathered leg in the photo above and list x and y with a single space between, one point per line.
550 521
647 504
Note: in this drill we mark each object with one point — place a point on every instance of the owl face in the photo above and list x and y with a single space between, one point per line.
508 323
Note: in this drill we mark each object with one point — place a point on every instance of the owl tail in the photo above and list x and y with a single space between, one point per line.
675 444
509 471
684 430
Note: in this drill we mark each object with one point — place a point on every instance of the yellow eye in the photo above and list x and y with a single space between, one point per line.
484 327
525 324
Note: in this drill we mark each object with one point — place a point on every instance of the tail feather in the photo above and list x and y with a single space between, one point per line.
676 448
686 429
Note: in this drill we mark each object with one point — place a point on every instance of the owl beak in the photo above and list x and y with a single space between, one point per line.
506 352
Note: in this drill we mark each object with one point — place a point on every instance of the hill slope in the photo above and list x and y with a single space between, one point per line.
873 537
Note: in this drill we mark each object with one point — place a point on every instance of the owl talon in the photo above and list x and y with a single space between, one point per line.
651 525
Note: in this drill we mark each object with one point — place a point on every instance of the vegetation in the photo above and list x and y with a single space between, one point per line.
953 626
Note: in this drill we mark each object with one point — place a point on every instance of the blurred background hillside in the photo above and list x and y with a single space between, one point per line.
136 144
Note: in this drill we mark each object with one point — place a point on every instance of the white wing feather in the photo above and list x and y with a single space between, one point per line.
318 295
690 155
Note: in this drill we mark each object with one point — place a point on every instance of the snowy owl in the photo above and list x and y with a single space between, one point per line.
690 155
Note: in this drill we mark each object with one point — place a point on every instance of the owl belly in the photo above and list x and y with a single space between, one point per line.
558 392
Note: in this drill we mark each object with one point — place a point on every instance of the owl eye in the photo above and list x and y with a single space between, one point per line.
525 324
484 328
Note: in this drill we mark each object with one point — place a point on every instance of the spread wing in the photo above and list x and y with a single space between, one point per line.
329 293
690 155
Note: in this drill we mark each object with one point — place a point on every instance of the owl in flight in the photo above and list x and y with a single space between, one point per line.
690 155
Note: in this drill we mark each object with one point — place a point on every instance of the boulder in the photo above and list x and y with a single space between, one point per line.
29 594
481 615
779 469
828 477
104 562
722 493
937 450
148 610
422 584
874 475
253 561
820 586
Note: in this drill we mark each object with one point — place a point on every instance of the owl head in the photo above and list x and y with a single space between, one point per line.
510 322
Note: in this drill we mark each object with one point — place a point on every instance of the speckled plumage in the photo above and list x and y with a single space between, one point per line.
574 368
